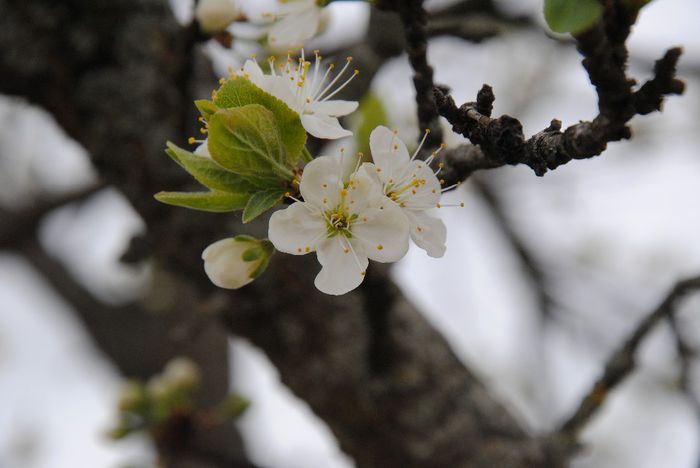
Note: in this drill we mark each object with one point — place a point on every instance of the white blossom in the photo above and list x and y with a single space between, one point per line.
232 263
345 218
308 91
215 15
295 22
412 185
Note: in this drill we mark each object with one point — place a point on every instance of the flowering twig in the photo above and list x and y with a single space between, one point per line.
622 362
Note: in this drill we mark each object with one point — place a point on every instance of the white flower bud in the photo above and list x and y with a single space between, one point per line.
232 263
215 15
182 372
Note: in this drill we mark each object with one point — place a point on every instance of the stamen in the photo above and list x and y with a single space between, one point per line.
337 77
292 197
357 260
420 145
339 88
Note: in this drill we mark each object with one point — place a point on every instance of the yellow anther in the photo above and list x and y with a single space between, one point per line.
380 247
419 229
307 249
191 140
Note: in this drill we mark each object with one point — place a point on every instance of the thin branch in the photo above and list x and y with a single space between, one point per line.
530 264
501 140
415 20
622 362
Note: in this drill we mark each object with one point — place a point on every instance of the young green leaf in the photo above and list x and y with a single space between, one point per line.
246 140
239 91
571 16
260 203
206 108
208 173
205 201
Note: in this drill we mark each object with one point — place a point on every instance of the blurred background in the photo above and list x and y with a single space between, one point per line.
553 272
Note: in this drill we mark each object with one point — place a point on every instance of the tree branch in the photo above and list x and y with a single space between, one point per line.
415 20
501 140
622 362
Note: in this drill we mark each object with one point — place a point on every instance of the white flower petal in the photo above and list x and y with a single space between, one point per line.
336 108
389 153
288 7
296 230
252 71
427 232
215 15
427 193
323 126
385 235
279 87
342 271
203 150
224 265
295 28
322 180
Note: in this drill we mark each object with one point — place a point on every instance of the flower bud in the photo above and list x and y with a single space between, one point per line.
232 263
131 396
182 372
215 15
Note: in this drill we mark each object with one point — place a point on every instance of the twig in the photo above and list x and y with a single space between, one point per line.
415 19
501 140
622 362
530 264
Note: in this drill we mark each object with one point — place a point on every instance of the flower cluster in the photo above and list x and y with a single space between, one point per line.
346 208
308 92
349 216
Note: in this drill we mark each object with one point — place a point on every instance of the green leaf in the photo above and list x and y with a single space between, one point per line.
206 108
239 91
208 173
233 406
246 140
571 16
371 115
205 201
260 203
